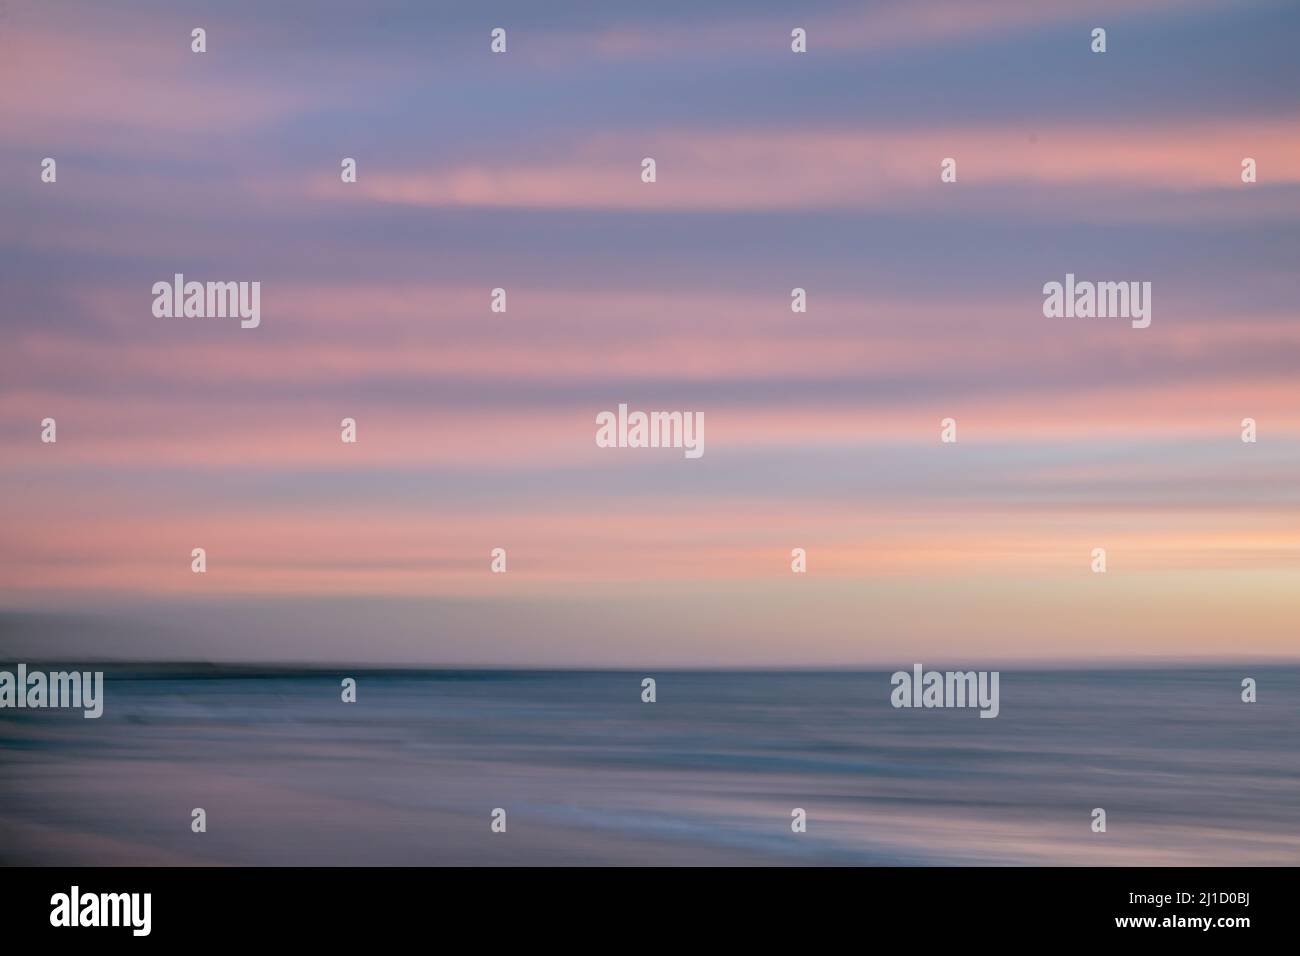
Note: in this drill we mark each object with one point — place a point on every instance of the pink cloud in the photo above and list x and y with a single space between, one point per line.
368 548
833 169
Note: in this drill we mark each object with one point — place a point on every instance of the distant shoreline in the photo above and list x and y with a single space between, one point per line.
252 670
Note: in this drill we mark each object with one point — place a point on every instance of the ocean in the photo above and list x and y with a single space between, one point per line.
711 773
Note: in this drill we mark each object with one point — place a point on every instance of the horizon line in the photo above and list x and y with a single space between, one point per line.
251 668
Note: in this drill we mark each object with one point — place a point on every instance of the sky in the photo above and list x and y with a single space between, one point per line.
476 429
